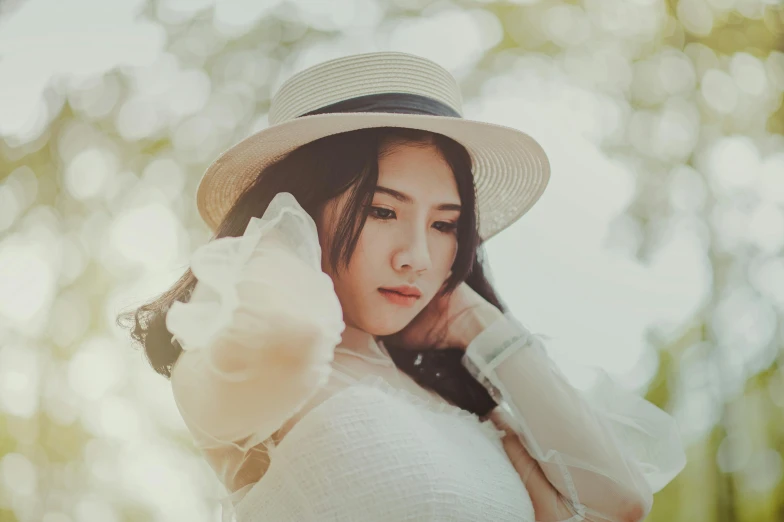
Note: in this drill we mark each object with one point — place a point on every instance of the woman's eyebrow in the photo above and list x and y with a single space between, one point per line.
405 198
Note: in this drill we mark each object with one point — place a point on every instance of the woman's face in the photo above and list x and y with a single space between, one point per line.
406 240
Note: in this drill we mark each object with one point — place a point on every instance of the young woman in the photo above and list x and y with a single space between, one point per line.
337 351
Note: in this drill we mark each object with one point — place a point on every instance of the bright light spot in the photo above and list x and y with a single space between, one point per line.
19 378
722 5
676 73
775 67
10 207
147 235
641 126
152 475
69 318
193 89
181 10
17 192
94 97
19 475
771 180
702 56
678 280
696 413
167 175
137 119
230 109
59 400
56 516
244 68
766 228
336 15
688 192
78 135
26 281
748 73
696 16
240 15
734 453
26 117
95 369
744 325
95 509
454 39
719 91
768 279
163 94
88 172
26 184
154 79
675 131
73 260
100 457
119 419
731 226
195 138
764 470
566 25
734 162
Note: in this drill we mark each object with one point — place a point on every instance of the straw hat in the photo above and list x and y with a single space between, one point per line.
383 89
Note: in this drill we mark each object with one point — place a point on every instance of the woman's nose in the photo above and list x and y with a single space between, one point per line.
415 253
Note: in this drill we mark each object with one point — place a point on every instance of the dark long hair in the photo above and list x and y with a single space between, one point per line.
314 174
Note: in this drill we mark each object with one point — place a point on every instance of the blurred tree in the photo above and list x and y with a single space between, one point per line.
121 153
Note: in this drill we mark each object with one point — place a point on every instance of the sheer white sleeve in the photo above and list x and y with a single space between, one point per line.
605 450
258 333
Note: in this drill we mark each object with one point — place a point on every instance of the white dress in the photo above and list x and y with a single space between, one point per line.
299 428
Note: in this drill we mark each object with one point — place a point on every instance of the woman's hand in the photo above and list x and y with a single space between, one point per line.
448 321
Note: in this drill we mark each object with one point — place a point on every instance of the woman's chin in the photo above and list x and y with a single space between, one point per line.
387 318
390 327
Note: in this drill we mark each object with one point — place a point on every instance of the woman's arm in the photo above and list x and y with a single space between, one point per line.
549 504
259 331
605 457
237 390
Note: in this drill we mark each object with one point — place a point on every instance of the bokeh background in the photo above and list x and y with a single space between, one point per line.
655 253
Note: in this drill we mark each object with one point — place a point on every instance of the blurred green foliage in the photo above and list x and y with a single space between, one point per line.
63 470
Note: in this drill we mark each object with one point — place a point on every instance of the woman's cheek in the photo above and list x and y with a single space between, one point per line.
448 254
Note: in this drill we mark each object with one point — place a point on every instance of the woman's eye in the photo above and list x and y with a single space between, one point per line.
376 210
446 226
386 214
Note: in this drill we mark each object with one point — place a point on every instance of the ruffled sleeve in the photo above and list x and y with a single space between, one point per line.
259 331
605 450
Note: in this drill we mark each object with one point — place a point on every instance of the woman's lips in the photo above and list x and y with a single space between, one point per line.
398 299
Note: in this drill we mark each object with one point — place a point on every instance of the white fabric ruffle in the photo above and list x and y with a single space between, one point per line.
261 307
272 273
593 444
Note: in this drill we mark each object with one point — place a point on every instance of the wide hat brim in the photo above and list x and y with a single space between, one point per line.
511 170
